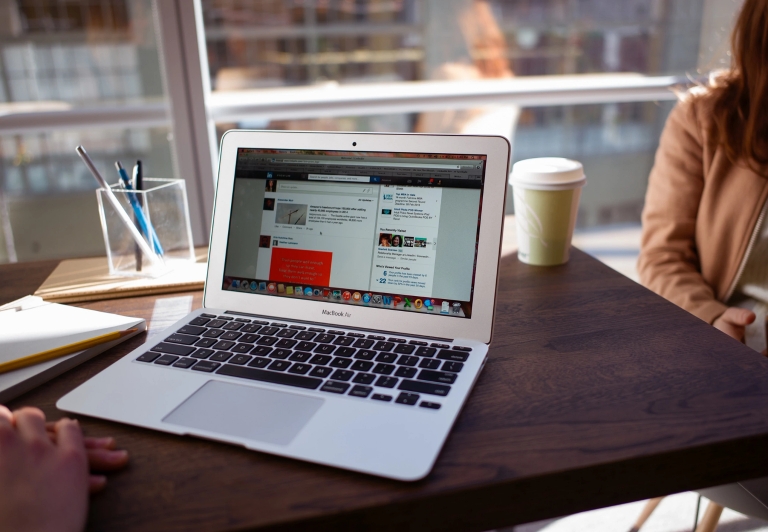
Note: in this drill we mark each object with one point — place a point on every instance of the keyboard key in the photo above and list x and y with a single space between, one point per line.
279 365
325 349
233 326
243 320
286 343
324 338
331 331
206 342
207 315
381 397
426 351
321 372
320 360
261 350
230 335
267 340
220 356
297 327
200 320
191 329
340 362
227 318
416 342
397 340
453 356
345 351
286 333
365 354
213 333
249 338
202 353
279 324
342 375
305 346
343 340
424 387
260 322
149 356
386 382
383 346
405 349
300 381
453 367
389 358
431 363
223 345
407 360
217 323
251 328
173 349
356 335
242 348
335 387
406 372
305 335
182 339
384 369
364 378
436 376
440 346
362 365
427 404
184 363
282 354
462 348
240 360
268 331
259 362
206 365
376 337
300 369
361 391
300 356
316 329
362 343
407 398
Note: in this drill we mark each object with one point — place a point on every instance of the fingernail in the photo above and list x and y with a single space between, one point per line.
118 456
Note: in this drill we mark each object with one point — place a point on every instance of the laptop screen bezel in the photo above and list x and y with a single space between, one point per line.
478 327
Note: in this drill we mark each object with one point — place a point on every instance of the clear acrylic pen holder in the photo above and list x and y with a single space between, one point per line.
163 203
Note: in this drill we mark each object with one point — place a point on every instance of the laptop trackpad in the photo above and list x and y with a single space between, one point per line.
246 412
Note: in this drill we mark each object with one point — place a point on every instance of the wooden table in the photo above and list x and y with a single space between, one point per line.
596 392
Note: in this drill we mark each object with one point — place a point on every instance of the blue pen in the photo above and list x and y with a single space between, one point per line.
145 226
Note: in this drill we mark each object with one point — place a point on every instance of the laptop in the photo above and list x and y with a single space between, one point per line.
349 302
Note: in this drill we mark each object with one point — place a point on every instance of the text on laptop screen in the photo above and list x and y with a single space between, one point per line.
389 230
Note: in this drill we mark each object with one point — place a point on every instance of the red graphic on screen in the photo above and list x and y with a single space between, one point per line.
300 266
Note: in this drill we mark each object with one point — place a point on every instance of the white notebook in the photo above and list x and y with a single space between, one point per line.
31 325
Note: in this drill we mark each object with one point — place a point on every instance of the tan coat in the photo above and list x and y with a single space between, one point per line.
700 213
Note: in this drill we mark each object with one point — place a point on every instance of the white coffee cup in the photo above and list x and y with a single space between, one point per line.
546 194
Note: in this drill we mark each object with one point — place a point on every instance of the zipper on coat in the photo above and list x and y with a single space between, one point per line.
750 245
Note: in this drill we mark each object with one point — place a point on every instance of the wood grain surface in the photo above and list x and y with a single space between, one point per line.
596 392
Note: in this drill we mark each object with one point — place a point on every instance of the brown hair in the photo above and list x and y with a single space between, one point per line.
740 113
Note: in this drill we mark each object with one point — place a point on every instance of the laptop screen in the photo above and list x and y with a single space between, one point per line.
390 230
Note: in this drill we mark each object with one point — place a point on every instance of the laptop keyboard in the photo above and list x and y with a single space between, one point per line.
367 366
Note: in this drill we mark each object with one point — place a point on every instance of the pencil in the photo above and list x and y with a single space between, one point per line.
57 352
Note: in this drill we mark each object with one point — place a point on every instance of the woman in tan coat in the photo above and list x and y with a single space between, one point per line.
705 232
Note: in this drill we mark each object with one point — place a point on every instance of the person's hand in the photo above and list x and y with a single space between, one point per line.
102 457
43 481
733 322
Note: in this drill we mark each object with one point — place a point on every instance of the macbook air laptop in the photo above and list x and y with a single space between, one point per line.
348 306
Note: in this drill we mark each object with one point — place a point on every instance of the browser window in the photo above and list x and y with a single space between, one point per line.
389 230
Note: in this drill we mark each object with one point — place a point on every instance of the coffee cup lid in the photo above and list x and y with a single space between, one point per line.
547 171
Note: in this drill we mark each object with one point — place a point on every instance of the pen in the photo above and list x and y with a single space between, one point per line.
144 224
68 349
138 184
116 205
